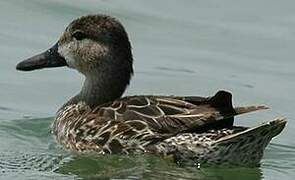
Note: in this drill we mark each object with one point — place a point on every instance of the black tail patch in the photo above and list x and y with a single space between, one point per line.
222 101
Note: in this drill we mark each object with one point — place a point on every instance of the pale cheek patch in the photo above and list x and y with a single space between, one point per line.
83 55
91 51
66 51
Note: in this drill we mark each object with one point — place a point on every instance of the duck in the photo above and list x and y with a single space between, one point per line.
99 120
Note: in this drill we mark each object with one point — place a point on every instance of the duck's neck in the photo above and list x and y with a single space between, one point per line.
96 91
101 88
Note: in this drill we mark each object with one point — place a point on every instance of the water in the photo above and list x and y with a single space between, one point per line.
182 48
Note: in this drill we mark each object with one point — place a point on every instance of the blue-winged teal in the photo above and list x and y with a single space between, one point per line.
98 119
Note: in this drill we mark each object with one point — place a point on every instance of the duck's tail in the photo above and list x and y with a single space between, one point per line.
247 146
238 146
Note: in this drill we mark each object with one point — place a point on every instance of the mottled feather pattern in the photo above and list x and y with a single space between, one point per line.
236 146
137 124
85 131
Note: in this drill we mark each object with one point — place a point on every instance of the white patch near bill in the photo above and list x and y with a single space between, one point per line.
66 52
91 49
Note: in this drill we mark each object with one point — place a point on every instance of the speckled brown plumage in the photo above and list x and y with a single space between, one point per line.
191 131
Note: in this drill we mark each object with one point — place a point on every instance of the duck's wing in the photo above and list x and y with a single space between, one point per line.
132 123
173 114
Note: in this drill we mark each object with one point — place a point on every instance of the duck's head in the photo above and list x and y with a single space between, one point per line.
98 47
90 44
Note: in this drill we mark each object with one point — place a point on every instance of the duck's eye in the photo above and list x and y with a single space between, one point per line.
78 35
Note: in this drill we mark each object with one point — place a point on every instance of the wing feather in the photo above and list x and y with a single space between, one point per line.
136 121
173 114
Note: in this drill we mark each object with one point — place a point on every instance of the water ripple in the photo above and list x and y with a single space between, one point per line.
279 158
